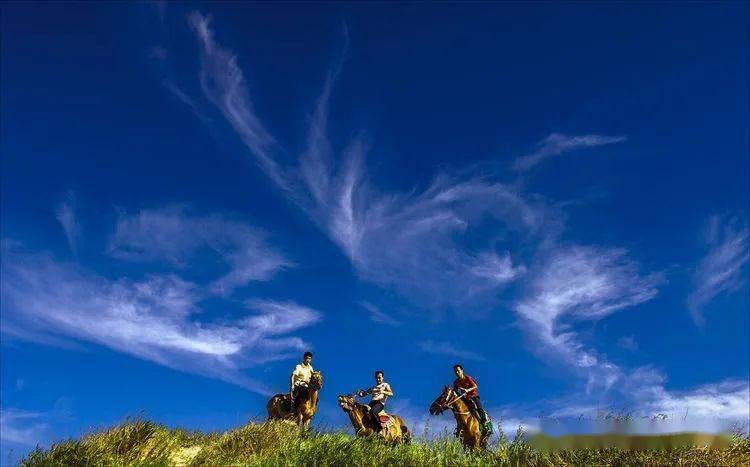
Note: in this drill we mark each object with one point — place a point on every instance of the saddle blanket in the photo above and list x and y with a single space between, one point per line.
385 419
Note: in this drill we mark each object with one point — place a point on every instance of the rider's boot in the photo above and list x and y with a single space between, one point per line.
485 422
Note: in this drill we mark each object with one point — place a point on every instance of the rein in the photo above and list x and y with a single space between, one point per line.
451 405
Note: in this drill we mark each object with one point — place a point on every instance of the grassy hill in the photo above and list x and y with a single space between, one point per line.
141 442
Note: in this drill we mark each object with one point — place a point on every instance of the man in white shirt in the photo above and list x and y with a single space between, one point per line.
380 393
300 378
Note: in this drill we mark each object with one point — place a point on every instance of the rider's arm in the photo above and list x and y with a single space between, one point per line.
387 390
461 390
293 378
475 385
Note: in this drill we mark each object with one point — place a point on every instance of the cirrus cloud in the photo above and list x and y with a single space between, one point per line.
721 269
557 144
411 241
174 234
156 318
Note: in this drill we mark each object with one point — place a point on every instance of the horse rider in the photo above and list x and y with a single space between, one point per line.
466 386
300 379
380 393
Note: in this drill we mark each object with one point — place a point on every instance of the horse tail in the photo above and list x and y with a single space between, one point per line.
273 407
270 407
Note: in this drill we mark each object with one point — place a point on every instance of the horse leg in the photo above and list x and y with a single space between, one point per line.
405 434
479 438
467 440
303 421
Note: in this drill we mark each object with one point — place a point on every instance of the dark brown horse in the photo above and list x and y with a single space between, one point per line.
304 409
467 425
395 430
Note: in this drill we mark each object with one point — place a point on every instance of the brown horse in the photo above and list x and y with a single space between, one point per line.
467 426
279 405
364 423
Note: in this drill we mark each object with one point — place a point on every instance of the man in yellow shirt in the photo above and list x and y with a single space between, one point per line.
300 378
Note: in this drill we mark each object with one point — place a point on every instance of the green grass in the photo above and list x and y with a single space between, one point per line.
141 442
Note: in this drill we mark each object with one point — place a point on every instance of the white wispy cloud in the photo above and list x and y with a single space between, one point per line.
162 57
557 144
410 241
707 407
378 316
582 284
66 215
414 242
224 84
22 427
726 400
154 318
183 97
500 268
642 394
721 269
175 235
448 349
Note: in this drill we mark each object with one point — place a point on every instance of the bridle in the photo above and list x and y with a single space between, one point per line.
316 382
348 404
451 404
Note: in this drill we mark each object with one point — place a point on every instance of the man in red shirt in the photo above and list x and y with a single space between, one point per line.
465 384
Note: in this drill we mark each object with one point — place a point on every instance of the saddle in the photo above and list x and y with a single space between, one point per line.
385 418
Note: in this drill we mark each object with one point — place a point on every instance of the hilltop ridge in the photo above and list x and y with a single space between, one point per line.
143 442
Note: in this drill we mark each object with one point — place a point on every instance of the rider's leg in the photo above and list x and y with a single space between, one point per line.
294 396
479 409
375 408
300 390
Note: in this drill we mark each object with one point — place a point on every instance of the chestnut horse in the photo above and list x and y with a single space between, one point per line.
364 424
304 409
467 426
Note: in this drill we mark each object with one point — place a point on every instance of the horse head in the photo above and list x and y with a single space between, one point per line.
442 402
316 380
347 402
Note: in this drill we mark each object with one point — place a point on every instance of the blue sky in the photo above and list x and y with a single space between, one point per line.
555 196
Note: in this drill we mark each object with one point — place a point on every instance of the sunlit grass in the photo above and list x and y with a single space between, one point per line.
141 442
